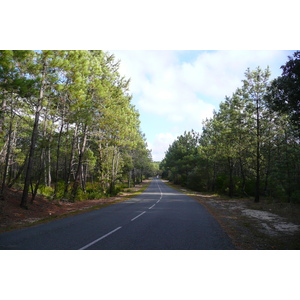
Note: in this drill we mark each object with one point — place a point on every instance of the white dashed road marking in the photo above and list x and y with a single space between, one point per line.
101 238
138 216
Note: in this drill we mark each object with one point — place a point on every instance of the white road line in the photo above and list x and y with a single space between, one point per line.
101 238
161 194
138 216
152 206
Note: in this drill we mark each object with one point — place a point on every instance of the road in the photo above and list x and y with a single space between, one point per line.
160 218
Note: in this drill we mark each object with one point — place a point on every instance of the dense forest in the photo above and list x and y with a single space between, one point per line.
67 126
251 145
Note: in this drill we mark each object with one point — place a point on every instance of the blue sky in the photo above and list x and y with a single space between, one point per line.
175 91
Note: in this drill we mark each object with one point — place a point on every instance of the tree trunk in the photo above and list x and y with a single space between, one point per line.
288 169
46 153
112 179
83 175
133 177
231 185
142 174
20 171
37 184
68 178
30 159
101 171
33 142
2 113
57 157
243 177
257 185
49 179
213 185
80 159
11 164
6 158
129 178
268 171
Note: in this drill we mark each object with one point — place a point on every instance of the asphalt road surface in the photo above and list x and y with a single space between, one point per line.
160 218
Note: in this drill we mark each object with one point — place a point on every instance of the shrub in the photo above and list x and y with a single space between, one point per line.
45 190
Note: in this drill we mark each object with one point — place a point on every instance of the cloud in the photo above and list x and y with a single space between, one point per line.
164 85
143 66
218 74
160 145
168 96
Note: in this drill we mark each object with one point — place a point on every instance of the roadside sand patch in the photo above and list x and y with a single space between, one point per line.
272 223
253 226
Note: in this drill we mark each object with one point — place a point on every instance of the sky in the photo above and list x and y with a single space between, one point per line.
175 91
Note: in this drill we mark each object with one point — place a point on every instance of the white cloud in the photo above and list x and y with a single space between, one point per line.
143 66
217 74
161 144
168 95
164 86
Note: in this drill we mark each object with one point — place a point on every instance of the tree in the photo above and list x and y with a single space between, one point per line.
44 75
14 84
181 157
254 91
284 92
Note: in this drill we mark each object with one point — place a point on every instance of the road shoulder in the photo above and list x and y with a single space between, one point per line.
43 210
251 226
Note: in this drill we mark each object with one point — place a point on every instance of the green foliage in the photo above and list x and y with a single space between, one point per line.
72 110
181 157
284 93
246 149
45 191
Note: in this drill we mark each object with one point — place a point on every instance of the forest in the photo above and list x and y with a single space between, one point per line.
68 129
251 145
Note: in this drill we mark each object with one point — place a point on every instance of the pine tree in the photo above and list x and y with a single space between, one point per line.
254 91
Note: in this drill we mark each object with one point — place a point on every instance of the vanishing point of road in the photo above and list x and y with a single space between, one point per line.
161 218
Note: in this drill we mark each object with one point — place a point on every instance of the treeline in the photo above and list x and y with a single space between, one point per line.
251 146
67 126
